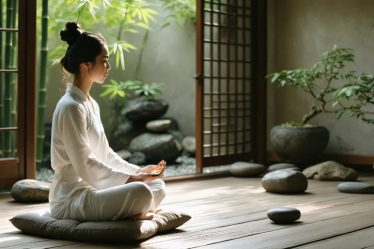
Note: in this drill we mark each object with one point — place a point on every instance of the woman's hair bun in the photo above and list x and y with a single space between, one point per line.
71 32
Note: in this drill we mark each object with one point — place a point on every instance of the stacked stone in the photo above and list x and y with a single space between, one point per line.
145 136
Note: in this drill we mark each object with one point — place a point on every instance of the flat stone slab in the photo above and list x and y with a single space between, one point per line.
278 166
330 171
159 125
285 181
30 191
246 169
356 188
283 215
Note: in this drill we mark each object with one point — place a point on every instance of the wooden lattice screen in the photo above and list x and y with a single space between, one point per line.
226 91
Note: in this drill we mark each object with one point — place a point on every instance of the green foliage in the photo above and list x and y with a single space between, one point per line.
333 88
118 18
117 90
183 11
358 98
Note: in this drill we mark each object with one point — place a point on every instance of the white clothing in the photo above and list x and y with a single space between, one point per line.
88 173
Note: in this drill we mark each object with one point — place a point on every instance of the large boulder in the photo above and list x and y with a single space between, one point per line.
30 191
141 110
284 181
124 133
330 171
156 147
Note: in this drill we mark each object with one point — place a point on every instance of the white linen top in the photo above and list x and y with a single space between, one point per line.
80 152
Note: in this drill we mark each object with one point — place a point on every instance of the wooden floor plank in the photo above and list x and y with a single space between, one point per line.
359 239
301 234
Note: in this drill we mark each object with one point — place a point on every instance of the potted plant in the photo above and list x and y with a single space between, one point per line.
301 141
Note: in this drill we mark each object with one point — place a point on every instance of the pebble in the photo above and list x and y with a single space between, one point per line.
159 125
283 215
356 188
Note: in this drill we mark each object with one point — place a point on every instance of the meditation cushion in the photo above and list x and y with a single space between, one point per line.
44 225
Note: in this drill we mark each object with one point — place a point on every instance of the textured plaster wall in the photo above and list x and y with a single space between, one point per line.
299 31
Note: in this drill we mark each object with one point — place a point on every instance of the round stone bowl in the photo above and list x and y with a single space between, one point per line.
299 144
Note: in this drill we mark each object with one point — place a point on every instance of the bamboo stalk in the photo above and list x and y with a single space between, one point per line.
8 79
1 81
14 102
42 84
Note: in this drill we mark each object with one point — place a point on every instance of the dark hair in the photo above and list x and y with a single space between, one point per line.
83 47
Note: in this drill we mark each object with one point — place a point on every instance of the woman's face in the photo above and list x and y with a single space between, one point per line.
99 71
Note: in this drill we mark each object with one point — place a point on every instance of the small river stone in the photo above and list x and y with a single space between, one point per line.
160 125
279 166
30 190
284 181
245 169
356 187
283 215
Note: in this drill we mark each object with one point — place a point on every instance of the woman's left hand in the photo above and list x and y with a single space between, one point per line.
154 170
149 173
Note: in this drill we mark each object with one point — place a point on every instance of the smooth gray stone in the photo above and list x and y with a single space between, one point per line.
356 187
30 191
143 110
124 154
159 125
156 147
189 144
245 169
285 181
278 166
283 215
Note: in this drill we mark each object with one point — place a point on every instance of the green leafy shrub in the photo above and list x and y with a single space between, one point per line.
120 89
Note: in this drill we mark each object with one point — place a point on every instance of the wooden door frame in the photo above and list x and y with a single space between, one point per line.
23 166
258 135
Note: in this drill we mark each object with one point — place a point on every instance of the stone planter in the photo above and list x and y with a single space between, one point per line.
299 144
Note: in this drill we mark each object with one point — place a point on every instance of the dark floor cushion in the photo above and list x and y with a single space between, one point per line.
42 224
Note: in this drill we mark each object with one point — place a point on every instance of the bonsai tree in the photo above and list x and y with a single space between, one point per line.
357 98
323 82
334 89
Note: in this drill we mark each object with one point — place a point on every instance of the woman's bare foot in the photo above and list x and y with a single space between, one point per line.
147 216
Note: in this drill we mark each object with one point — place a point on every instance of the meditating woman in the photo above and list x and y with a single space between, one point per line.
91 181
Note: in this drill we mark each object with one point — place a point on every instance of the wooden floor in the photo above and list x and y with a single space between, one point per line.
230 213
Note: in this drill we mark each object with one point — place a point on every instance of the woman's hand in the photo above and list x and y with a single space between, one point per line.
154 170
149 173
